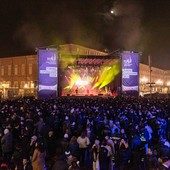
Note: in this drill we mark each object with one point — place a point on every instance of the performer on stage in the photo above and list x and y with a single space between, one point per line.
77 91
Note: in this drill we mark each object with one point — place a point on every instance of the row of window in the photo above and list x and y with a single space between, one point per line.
16 70
22 84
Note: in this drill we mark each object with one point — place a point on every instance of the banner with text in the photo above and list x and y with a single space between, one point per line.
130 71
47 73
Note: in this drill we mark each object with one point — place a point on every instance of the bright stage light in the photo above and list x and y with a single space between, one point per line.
108 75
81 82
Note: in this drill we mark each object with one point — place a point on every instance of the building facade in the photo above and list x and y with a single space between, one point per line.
19 75
153 79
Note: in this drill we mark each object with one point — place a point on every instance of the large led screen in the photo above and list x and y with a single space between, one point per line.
47 73
130 71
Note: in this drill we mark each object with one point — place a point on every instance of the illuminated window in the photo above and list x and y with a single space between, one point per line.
8 83
31 84
15 83
23 69
30 69
2 70
16 70
9 70
22 84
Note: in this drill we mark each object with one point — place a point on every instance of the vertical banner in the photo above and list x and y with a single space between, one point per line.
47 73
130 71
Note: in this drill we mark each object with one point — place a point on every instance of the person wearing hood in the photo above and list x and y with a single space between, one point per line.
7 145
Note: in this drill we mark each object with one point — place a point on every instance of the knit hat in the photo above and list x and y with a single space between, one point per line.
66 136
66 118
34 138
6 131
4 165
67 153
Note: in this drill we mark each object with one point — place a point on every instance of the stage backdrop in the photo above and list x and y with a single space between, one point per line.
130 71
47 73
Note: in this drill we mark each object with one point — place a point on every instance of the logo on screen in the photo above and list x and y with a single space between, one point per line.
52 59
127 62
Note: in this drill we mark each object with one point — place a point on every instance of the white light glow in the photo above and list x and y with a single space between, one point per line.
81 82
144 80
159 82
26 85
32 85
168 83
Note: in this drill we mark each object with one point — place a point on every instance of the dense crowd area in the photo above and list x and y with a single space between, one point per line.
99 133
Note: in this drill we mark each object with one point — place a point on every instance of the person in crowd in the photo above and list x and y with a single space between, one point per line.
4 166
17 157
74 166
164 163
38 159
111 148
111 144
59 161
26 165
123 155
151 160
39 125
25 141
51 144
83 142
32 146
65 143
150 131
74 147
7 145
135 144
104 156
123 133
95 154
70 158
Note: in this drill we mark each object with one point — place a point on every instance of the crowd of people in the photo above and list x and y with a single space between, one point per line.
99 133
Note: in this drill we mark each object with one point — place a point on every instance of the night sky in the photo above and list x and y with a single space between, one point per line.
135 25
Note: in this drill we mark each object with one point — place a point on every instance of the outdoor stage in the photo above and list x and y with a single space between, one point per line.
90 76
87 75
